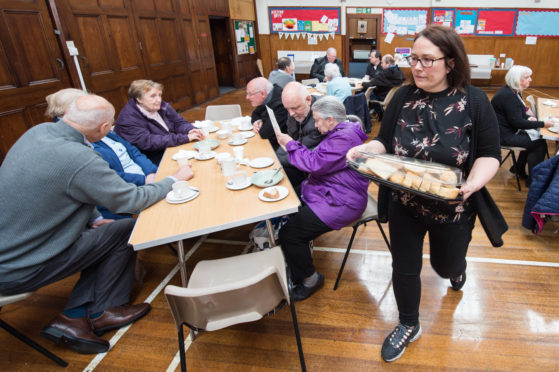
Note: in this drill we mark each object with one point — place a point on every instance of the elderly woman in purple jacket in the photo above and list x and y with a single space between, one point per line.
150 123
333 195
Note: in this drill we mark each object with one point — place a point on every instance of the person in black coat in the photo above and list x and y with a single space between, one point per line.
262 93
515 119
390 76
317 69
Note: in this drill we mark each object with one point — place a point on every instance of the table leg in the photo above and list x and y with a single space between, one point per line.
271 233
182 265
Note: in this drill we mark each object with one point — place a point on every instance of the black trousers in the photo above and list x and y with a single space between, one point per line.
448 243
534 154
106 263
294 236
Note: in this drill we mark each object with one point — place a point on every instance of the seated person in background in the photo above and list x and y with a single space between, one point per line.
50 182
150 123
337 85
300 126
262 93
317 69
282 75
333 195
374 66
390 76
514 121
58 102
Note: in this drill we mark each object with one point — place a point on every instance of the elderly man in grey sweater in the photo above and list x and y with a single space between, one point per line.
50 182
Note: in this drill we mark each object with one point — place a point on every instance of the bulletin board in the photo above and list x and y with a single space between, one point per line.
465 21
443 17
296 19
404 21
496 22
537 23
244 35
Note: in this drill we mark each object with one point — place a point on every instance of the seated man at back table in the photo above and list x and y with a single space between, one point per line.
317 69
50 182
262 93
374 66
282 76
390 76
300 126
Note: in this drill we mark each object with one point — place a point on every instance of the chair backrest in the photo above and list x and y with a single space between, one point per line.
390 95
532 103
223 112
310 81
259 65
229 291
368 93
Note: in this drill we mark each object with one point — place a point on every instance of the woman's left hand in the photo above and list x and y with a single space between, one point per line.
195 134
468 189
283 138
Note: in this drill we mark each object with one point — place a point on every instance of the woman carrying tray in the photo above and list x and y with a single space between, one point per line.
438 117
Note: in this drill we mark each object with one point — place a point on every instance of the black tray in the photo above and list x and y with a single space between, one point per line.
392 185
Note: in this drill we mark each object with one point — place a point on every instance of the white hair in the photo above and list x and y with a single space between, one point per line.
89 115
331 70
329 106
331 51
513 76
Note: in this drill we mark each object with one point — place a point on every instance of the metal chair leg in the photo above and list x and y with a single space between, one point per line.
296 324
383 234
33 344
515 169
181 350
345 257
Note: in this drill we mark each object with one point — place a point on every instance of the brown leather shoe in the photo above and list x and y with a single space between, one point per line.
76 333
118 316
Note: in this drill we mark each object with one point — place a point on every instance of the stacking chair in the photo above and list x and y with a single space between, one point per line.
6 300
368 93
228 291
260 67
370 214
384 104
511 150
310 81
357 105
223 112
532 103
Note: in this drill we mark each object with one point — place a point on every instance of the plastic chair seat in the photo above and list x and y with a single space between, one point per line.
223 112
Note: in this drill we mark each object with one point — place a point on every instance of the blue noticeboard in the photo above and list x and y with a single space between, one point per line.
537 23
465 21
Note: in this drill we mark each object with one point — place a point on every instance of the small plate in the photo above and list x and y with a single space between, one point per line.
553 129
237 143
212 142
261 162
212 129
172 199
259 178
245 129
248 134
188 153
240 187
211 155
283 192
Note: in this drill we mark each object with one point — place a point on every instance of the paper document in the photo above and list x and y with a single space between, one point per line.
275 124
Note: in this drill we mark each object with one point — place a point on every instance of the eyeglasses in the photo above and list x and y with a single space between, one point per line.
425 62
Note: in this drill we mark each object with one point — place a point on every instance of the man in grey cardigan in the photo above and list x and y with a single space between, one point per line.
50 182
282 76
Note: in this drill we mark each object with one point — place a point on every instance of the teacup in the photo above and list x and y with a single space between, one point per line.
226 125
239 151
228 167
238 179
222 156
245 124
204 150
182 158
181 189
237 138
223 133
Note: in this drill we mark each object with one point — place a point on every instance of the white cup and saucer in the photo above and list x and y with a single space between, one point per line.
181 192
238 181
228 166
223 133
204 151
245 123
237 139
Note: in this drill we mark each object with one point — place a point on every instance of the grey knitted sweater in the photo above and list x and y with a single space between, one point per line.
50 183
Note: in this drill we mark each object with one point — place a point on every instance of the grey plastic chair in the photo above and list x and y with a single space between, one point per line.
223 112
10 299
228 291
310 81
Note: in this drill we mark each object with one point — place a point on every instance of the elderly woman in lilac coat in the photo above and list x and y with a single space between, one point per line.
150 123
333 195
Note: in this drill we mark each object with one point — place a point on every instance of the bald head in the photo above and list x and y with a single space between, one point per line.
91 115
257 90
297 100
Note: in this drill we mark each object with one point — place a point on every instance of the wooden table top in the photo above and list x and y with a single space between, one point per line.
544 112
216 208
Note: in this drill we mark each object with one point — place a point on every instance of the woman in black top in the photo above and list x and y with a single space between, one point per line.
434 119
515 119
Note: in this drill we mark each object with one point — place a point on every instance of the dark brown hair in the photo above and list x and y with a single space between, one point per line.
450 43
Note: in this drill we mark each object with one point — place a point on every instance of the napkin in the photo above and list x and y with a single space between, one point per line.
550 103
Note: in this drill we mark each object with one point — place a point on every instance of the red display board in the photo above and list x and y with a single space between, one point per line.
496 22
296 19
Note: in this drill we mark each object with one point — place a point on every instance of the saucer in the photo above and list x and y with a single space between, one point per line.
237 143
261 162
248 134
283 192
245 128
211 155
189 154
259 178
172 199
212 129
212 142
239 187
553 129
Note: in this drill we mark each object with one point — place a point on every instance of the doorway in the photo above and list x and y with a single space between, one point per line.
223 52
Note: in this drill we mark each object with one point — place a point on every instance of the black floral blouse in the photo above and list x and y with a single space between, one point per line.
435 127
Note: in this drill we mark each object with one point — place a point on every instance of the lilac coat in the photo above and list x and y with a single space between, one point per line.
147 134
334 192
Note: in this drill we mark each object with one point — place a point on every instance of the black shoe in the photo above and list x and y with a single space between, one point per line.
458 282
395 343
302 292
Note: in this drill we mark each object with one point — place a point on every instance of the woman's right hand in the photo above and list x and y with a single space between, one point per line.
195 134
372 147
548 123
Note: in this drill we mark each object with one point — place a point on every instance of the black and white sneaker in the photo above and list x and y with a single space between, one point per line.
395 343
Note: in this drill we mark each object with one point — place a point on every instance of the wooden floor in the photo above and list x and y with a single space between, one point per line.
505 319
